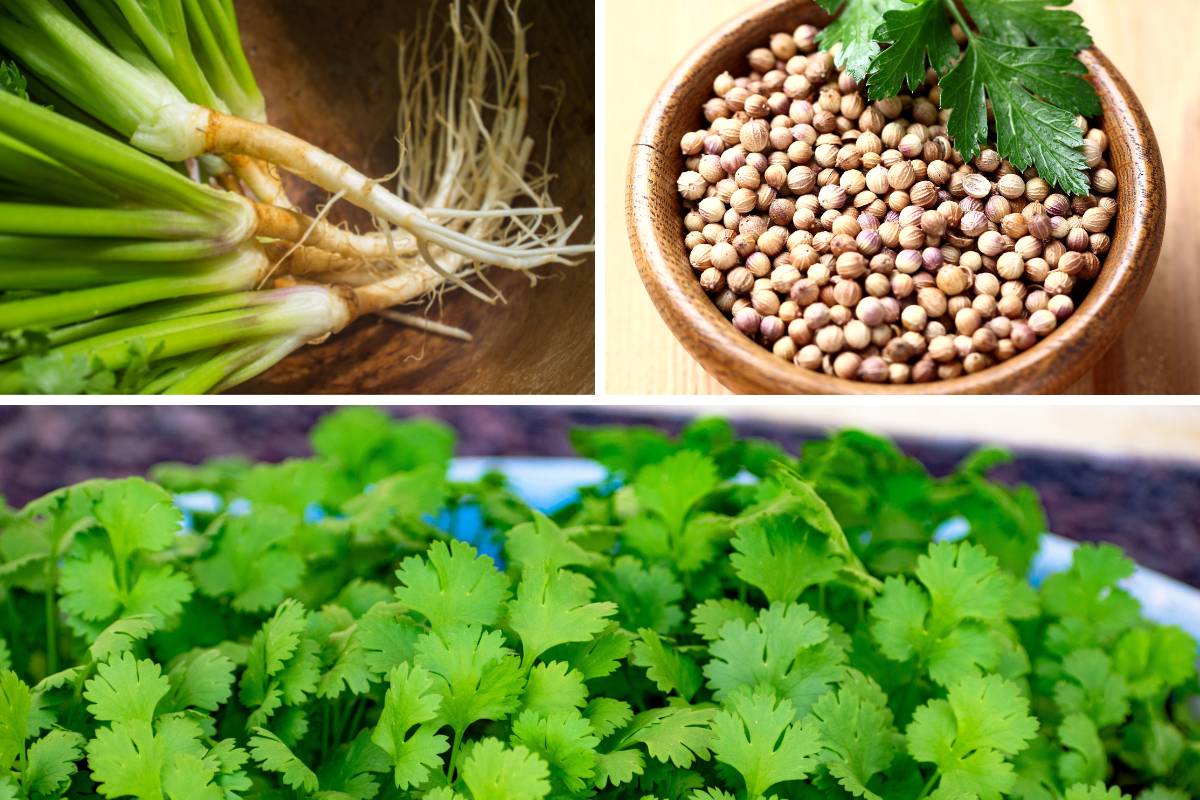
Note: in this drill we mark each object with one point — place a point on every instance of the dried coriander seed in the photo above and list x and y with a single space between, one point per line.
848 236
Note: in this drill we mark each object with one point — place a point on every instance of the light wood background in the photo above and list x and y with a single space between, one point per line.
1152 43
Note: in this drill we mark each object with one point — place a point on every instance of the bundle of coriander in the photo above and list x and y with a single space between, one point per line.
319 628
147 243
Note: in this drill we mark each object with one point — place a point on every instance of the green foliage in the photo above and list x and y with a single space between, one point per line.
1018 69
676 633
13 81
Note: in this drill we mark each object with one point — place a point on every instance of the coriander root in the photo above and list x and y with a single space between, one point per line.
181 131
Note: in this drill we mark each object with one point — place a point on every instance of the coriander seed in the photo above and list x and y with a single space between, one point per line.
855 238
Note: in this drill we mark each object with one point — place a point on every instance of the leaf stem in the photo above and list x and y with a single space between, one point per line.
952 5
928 786
51 619
450 769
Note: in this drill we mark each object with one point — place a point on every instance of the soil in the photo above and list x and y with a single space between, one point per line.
1150 508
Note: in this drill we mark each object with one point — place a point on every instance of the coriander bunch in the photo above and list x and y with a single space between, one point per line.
1016 63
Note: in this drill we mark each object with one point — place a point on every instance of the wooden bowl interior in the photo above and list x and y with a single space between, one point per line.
329 74
655 222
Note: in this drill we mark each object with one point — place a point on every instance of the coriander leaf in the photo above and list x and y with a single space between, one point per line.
781 558
670 669
137 515
963 582
188 776
396 499
126 690
406 731
476 676
272 647
618 767
51 762
367 445
599 656
898 619
16 703
160 593
387 638
1084 761
13 81
678 733
130 758
787 648
272 754
1153 745
544 542
554 687
1030 21
120 636
794 502
565 741
1090 687
710 616
911 31
858 737
554 607
349 771
89 587
624 450
968 735
251 561
1035 93
293 485
645 597
606 715
855 30
759 738
452 585
1088 591
674 485
492 771
1155 659
344 657
201 679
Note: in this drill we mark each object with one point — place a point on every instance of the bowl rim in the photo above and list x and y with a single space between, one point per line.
1050 366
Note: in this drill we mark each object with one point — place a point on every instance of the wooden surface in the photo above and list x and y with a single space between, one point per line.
1160 350
329 74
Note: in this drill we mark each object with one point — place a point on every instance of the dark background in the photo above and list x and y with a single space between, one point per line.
1150 508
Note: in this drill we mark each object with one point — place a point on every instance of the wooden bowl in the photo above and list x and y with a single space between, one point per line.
328 71
655 220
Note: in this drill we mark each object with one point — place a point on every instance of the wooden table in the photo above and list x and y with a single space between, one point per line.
1154 46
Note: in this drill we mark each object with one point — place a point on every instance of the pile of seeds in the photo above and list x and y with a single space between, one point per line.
850 237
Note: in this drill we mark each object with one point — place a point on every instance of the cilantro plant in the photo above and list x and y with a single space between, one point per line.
717 620
1017 66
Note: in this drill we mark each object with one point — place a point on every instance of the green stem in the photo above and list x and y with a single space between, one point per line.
37 248
21 274
141 316
324 730
928 786
450 768
105 223
66 307
952 5
218 369
269 354
178 371
52 617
